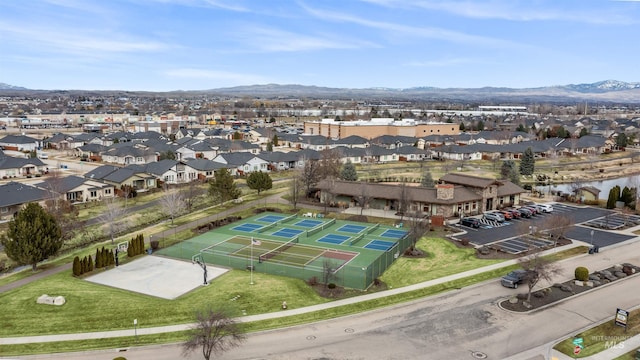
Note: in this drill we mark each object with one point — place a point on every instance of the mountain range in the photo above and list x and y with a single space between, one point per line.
602 91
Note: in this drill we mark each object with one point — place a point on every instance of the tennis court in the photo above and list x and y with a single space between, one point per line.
308 223
379 245
350 228
271 218
303 248
247 227
333 239
287 232
392 233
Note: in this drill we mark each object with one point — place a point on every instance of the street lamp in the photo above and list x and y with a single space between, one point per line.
135 328
591 237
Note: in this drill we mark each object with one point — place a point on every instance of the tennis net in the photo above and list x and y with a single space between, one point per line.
271 253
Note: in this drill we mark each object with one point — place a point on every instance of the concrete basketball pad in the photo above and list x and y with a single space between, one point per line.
157 276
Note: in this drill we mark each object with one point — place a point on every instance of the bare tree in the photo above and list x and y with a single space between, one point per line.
329 164
364 197
193 190
419 225
113 217
329 274
557 226
62 209
214 333
538 268
172 203
309 175
295 187
403 200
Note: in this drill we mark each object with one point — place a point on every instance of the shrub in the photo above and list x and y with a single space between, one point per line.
312 281
582 273
464 241
331 286
155 244
120 358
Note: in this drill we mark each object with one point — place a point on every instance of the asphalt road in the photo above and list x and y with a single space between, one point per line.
454 325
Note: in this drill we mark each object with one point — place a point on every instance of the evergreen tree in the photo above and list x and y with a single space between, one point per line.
222 188
584 132
259 181
614 195
77 269
462 126
98 259
427 180
33 235
521 128
348 172
621 140
269 146
627 196
90 264
527 164
84 265
130 250
275 140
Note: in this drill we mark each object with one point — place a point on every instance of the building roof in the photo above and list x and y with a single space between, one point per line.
18 139
15 193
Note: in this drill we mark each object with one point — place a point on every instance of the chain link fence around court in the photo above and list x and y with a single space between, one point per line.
354 267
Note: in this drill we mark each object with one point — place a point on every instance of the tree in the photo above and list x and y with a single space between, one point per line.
508 171
113 217
621 140
270 146
33 236
349 172
295 190
614 195
222 188
259 181
172 203
275 140
427 180
329 164
537 268
310 175
558 225
213 333
527 164
167 155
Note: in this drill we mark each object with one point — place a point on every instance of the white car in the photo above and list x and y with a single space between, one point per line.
546 208
494 216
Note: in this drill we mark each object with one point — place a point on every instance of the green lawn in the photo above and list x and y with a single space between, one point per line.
596 339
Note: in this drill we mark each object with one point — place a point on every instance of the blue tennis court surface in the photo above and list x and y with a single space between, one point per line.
308 223
333 239
396 234
379 245
352 228
248 227
286 232
271 218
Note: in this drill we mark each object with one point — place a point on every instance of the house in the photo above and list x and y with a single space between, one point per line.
168 171
129 154
279 160
241 163
11 167
76 189
456 195
92 152
19 143
14 195
62 141
204 169
121 177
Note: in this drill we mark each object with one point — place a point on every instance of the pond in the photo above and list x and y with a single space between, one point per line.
603 185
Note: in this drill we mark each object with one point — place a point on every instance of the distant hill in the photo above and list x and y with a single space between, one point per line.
603 91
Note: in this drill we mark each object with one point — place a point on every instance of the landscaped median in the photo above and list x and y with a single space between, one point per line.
92 307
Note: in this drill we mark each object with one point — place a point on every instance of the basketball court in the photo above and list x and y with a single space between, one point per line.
157 276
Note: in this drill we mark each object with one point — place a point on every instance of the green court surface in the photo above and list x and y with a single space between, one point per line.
347 253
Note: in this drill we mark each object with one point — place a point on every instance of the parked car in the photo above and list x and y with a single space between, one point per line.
470 222
524 212
514 278
507 214
546 208
494 216
533 209
515 213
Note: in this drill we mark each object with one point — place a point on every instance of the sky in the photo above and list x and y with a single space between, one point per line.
165 45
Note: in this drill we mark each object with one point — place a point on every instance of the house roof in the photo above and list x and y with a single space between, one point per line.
9 162
62 185
18 139
205 165
101 172
14 193
468 180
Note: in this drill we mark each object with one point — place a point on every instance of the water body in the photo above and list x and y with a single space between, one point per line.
603 185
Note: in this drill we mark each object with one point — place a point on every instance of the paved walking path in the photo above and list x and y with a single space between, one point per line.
604 259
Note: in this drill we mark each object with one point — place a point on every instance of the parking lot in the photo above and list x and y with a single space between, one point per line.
512 235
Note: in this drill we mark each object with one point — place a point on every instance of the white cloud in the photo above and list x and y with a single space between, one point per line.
515 10
273 40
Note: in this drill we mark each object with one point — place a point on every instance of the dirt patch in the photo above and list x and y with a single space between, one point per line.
567 289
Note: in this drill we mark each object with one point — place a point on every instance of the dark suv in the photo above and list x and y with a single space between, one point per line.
470 222
514 278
